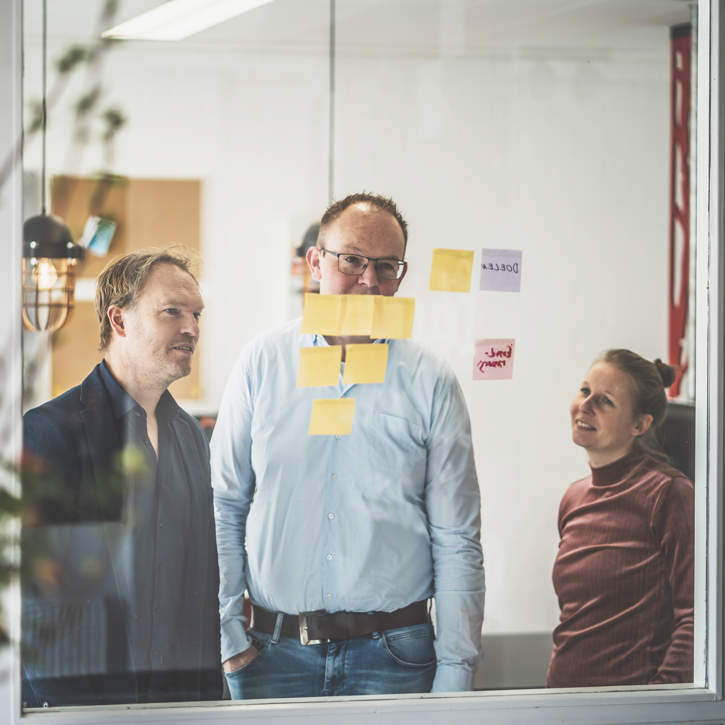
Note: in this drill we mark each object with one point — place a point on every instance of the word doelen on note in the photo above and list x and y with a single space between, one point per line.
332 416
501 270
373 315
451 270
494 359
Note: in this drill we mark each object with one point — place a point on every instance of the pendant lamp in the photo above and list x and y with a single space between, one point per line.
49 253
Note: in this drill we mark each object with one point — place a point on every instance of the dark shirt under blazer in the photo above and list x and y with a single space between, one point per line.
159 576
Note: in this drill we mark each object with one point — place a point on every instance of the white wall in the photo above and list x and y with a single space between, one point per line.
565 157
568 161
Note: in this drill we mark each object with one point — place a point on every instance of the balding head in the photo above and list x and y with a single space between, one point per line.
366 204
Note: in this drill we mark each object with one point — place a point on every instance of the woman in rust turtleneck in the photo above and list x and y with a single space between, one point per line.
624 573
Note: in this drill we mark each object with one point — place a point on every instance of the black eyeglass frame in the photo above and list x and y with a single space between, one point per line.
401 265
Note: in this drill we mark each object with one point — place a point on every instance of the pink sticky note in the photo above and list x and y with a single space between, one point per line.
494 360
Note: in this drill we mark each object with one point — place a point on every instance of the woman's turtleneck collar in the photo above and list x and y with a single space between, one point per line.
617 470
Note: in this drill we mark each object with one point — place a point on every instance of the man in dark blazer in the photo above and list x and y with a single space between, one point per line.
120 599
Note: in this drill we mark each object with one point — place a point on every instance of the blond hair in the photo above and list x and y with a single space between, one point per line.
123 280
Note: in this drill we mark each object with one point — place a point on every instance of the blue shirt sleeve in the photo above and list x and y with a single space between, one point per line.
453 503
233 483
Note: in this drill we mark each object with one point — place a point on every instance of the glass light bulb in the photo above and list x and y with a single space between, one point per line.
45 274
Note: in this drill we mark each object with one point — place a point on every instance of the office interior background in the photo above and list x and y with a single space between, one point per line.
539 125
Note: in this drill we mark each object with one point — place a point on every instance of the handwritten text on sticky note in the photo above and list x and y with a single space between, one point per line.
501 270
365 364
451 270
332 416
494 360
319 366
393 317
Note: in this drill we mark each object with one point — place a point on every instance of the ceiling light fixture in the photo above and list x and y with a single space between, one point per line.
49 254
178 19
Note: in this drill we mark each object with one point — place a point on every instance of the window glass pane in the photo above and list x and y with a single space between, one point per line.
224 150
544 129
557 134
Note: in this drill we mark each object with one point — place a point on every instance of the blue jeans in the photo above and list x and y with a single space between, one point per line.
392 662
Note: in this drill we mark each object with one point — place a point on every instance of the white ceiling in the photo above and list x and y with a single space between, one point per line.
461 26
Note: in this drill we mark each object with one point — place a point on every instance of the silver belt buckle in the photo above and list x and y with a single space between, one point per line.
303 629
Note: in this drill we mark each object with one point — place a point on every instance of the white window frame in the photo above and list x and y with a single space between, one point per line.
662 704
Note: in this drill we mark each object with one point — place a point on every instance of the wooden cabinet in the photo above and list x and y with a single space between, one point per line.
147 213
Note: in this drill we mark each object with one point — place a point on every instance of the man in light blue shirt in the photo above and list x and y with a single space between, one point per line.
341 540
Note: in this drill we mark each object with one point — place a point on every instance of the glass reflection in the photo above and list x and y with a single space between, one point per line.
492 127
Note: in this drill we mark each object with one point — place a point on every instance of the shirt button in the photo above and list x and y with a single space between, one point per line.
329 557
338 436
157 610
334 477
161 567
330 516
329 596
154 652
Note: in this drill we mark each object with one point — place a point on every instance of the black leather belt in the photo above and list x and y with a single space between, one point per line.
317 627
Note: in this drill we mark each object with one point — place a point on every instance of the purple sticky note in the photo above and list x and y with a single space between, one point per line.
494 360
501 270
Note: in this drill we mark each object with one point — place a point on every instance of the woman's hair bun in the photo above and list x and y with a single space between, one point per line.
668 373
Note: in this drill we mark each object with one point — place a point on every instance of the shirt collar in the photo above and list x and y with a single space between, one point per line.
122 402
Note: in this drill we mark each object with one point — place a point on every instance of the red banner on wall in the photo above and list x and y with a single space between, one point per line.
679 232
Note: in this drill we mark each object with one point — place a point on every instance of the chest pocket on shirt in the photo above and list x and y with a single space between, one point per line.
396 446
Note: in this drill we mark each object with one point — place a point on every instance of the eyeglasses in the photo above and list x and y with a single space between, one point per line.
356 264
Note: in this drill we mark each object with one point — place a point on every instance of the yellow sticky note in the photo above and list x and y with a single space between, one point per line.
332 416
393 317
358 313
322 314
319 366
451 270
365 364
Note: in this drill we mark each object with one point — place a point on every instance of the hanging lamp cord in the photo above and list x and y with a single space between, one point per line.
331 139
44 107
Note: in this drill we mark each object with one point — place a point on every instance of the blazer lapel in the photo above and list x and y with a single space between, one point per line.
104 446
104 449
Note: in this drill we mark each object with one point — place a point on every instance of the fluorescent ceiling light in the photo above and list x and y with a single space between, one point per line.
178 19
